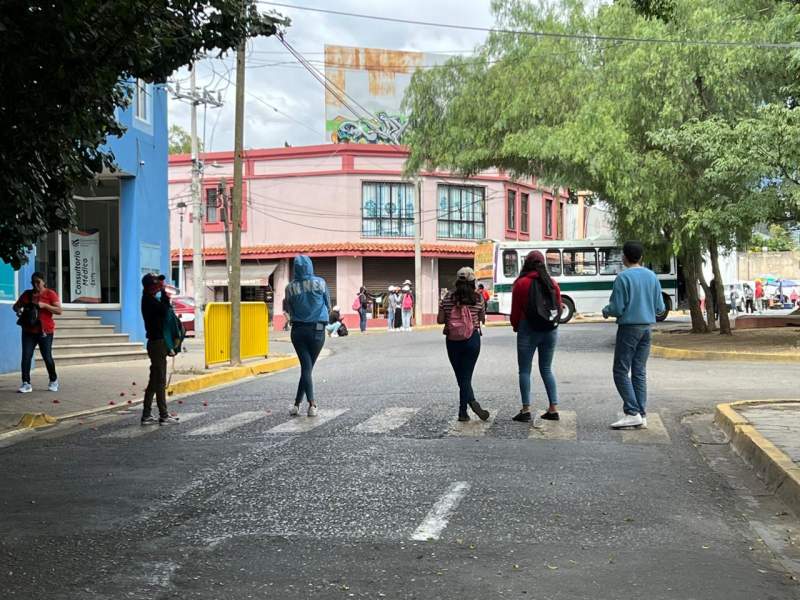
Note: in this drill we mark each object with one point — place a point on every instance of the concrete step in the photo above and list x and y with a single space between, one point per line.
71 339
77 349
92 358
69 320
72 329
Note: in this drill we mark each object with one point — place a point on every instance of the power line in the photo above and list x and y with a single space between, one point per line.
544 34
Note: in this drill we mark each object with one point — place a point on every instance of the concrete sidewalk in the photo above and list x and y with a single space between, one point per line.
87 389
766 434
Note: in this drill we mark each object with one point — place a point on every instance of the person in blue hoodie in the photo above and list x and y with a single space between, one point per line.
309 305
635 300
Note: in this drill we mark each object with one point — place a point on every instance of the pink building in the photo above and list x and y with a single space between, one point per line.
349 208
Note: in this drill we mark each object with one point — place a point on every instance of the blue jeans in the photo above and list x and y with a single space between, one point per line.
45 343
630 357
407 318
362 319
307 339
463 356
390 318
528 342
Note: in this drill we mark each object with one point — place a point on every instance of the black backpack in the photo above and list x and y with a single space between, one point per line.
543 310
29 315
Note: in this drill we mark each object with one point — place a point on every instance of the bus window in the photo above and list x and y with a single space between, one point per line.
660 268
510 263
581 262
610 261
553 259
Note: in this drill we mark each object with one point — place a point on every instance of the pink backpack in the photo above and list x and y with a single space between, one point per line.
357 303
460 326
408 301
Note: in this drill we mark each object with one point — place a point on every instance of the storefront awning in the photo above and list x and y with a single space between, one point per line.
255 275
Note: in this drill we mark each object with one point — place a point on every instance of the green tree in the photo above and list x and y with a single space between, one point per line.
180 141
64 73
641 124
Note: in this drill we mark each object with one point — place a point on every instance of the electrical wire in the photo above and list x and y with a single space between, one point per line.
543 34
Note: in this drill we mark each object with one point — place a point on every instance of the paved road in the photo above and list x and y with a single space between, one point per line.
383 497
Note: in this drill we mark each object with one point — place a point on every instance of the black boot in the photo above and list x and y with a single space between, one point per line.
482 413
463 416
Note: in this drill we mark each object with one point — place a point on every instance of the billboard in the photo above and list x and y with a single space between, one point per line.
372 82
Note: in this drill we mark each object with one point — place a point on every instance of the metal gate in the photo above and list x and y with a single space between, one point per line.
380 272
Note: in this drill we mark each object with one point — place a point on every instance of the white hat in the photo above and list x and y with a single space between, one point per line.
406 288
336 308
407 282
391 288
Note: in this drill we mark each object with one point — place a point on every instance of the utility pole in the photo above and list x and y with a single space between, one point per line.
235 277
198 276
181 285
418 254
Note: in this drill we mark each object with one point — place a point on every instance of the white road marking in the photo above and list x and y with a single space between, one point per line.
564 429
472 428
303 424
655 433
436 520
386 421
230 423
134 431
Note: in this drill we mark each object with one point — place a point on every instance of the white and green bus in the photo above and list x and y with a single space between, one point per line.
585 271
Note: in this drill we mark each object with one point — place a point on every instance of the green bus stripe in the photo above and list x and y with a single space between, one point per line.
585 286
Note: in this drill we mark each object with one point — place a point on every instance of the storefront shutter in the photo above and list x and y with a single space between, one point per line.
381 272
448 267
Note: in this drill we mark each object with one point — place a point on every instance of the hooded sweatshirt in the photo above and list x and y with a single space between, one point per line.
307 294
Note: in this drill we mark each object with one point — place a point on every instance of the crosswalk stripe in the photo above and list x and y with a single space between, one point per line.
472 428
303 424
137 430
386 421
438 516
230 423
564 429
655 433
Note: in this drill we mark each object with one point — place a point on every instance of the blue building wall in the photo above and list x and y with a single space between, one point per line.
141 155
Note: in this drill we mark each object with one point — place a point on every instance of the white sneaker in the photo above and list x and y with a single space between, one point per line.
628 421
25 388
312 410
294 411
334 334
53 387
644 423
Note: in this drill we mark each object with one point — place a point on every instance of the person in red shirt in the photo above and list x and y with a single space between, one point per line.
484 292
536 331
39 332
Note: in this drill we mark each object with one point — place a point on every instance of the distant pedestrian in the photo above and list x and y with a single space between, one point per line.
483 292
759 294
749 299
362 299
461 312
309 308
635 301
392 305
155 308
535 314
35 309
408 307
285 310
733 299
334 322
793 297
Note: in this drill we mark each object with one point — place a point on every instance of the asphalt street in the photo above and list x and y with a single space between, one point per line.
384 496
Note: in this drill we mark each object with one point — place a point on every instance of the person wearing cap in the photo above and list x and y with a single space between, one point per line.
536 332
155 307
392 303
463 353
407 305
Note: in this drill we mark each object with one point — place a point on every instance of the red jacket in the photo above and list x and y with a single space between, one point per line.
519 297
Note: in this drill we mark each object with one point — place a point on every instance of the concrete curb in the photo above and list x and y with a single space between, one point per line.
187 386
771 465
682 354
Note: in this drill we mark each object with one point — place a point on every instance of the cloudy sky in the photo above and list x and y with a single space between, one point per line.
275 79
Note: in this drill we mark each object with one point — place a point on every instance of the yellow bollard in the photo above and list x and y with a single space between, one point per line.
254 337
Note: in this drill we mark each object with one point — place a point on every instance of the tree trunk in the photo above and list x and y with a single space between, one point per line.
710 318
719 290
688 264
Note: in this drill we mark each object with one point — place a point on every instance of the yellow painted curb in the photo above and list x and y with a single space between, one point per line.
771 464
34 420
201 382
683 354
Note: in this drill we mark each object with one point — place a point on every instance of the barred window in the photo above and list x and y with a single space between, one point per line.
387 209
461 212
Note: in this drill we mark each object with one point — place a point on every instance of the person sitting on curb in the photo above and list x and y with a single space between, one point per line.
334 322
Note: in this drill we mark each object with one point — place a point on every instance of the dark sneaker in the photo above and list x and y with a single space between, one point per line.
149 420
551 416
482 413
464 417
168 420
522 417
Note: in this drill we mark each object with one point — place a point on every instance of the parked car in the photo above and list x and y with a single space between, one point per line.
184 308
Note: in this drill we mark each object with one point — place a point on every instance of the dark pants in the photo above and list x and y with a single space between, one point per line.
45 343
630 367
307 339
157 384
362 319
749 306
463 355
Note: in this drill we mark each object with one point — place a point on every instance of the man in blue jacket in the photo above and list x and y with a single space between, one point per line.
635 300
309 306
